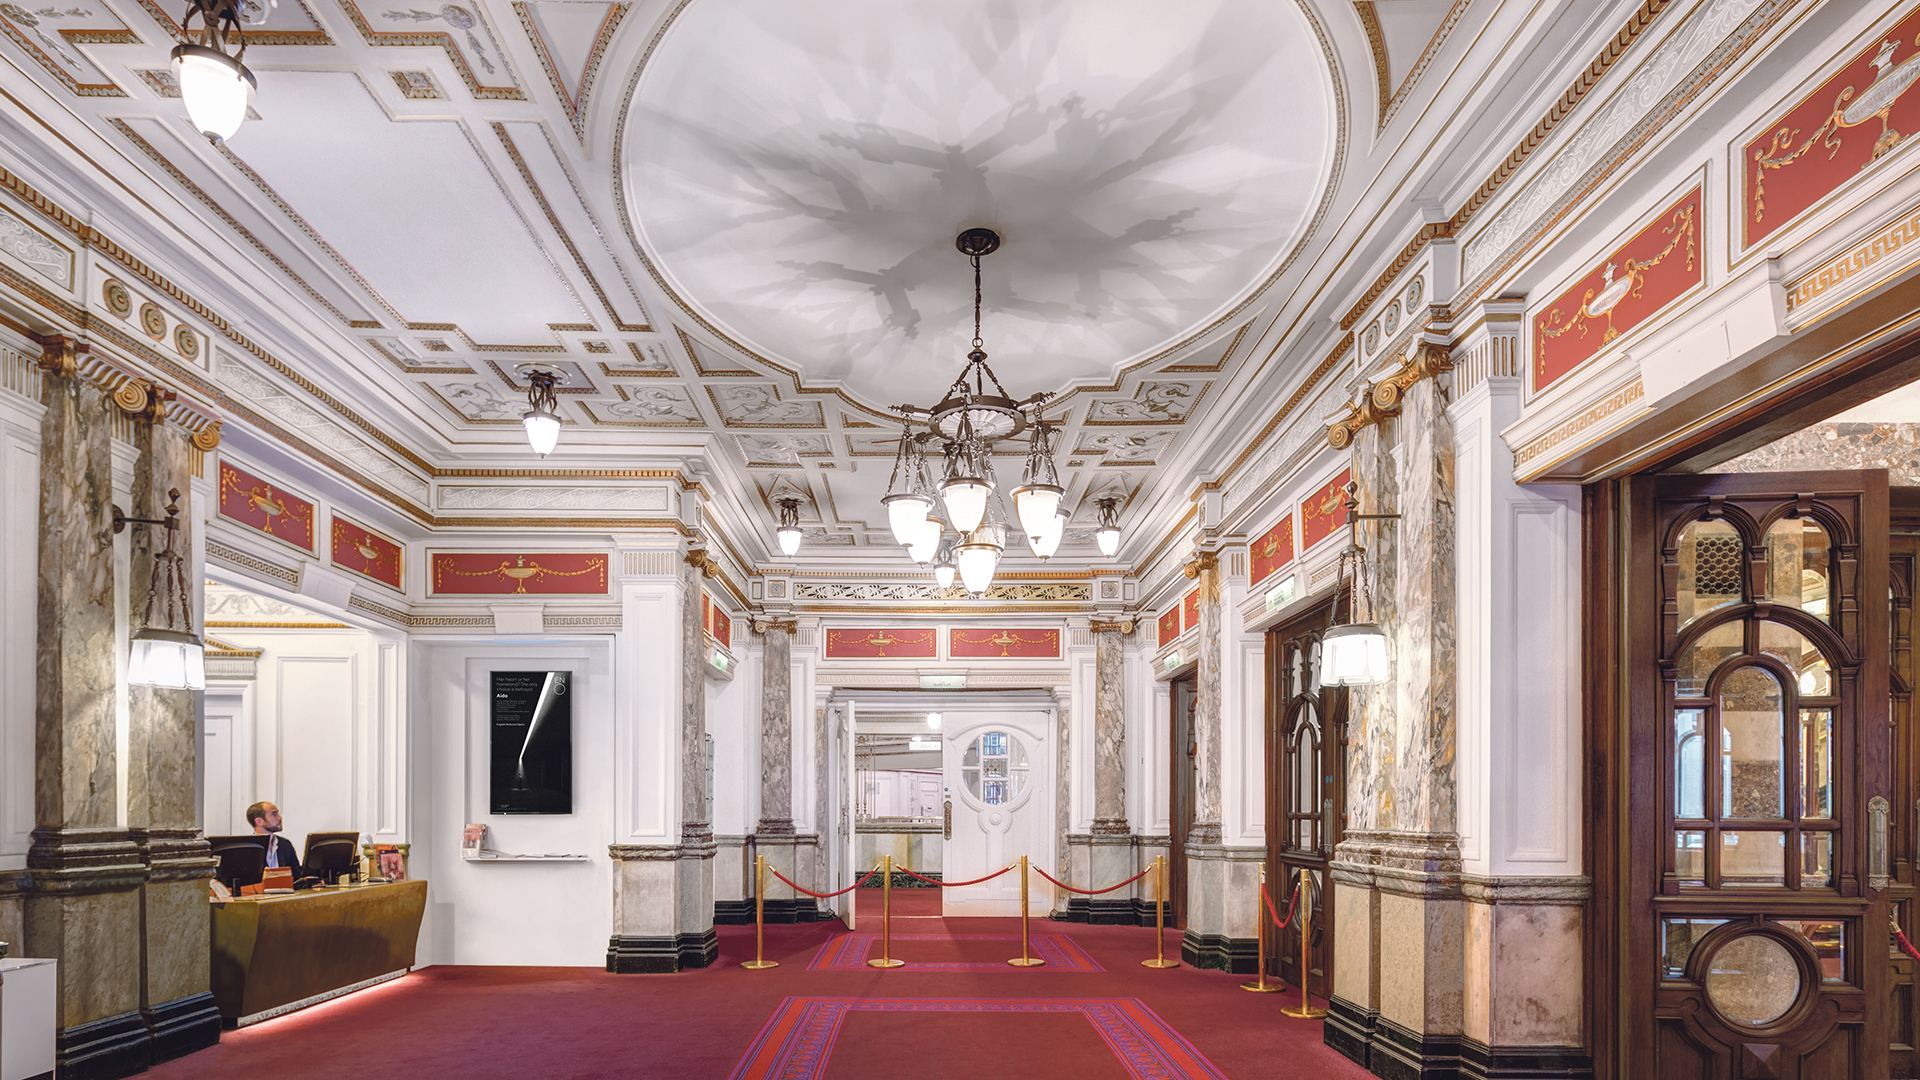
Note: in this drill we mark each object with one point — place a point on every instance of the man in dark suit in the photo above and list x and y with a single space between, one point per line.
265 819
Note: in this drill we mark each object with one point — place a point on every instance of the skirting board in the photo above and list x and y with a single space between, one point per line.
1217 952
104 1049
295 1006
1393 1052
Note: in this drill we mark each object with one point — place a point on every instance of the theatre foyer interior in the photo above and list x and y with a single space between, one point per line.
842 539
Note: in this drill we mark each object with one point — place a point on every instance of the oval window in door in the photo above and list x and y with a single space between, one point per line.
994 768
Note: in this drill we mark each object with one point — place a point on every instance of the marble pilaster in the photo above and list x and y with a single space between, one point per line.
697 945
1110 849
176 998
1211 871
774 837
86 870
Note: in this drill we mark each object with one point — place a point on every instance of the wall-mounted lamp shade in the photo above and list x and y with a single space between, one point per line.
789 537
1354 655
966 499
216 88
543 431
1036 505
922 548
167 659
905 512
977 562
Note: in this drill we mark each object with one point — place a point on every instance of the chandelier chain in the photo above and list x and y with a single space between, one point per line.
976 302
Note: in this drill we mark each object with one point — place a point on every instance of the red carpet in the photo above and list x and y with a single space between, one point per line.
483 1023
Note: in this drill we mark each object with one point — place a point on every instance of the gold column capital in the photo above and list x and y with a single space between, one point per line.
1111 626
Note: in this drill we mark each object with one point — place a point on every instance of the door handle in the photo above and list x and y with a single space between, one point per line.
1878 811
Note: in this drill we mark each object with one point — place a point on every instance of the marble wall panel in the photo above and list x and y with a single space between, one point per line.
93 936
1422 962
1355 945
1894 447
776 733
1538 955
175 939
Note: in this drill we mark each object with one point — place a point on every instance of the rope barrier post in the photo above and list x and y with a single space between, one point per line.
1261 985
759 960
1024 959
1160 917
1306 1009
886 919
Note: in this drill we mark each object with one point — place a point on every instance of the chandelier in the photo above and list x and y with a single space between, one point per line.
542 418
216 88
975 413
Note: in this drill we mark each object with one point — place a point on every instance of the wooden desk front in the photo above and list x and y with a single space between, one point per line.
270 951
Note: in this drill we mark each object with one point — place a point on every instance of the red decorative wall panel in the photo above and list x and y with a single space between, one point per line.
1324 511
363 551
1190 611
1854 119
888 644
489 573
1030 644
1169 626
719 625
1273 550
245 499
1639 278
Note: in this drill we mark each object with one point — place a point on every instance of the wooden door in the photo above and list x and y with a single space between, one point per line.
1756 871
1306 773
1902 580
1182 695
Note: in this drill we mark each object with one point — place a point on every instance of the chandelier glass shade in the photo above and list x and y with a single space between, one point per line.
167 653
1355 654
542 418
216 88
944 566
788 534
926 543
1048 541
1037 499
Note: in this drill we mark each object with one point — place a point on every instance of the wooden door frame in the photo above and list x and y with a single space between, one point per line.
1178 759
1333 742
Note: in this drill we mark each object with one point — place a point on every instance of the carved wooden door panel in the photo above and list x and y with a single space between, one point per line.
1759 756
1903 577
1183 694
1306 772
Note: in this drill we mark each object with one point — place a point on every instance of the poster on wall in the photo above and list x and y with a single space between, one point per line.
530 728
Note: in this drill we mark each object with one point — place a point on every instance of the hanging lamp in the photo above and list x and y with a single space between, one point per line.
216 88
788 533
168 654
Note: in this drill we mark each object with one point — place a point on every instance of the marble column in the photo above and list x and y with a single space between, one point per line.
84 905
1111 845
1399 909
175 1000
696 941
774 837
1206 943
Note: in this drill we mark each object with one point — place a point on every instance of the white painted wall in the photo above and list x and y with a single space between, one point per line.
19 590
515 913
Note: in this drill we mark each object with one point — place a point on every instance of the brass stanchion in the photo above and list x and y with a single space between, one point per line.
759 960
886 919
1261 985
1160 917
1306 1009
1024 959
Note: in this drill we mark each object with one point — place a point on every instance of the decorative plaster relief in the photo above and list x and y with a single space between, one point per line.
1028 644
51 35
1273 550
782 449
228 606
1873 259
648 406
283 407
1710 28
1152 403
649 358
751 405
491 573
577 499
33 247
889 644
1121 448
1812 149
480 400
1325 510
359 549
1167 627
246 499
1053 592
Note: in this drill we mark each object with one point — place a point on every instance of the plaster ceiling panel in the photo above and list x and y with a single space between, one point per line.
265 232
532 150
1407 26
412 207
797 172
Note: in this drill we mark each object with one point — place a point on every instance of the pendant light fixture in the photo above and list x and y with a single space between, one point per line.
216 88
542 417
168 654
1108 534
1048 541
944 566
923 546
967 486
788 533
909 501
1355 654
1038 496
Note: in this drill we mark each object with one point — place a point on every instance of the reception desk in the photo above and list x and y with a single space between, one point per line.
270 952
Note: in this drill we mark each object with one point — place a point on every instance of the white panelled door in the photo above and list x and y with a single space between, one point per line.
999 771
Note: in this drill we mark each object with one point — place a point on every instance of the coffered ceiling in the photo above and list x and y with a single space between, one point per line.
730 221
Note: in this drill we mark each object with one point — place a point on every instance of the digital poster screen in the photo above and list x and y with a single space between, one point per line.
530 724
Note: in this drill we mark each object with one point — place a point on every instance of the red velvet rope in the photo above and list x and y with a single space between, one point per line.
1093 892
1905 945
823 895
953 884
1278 922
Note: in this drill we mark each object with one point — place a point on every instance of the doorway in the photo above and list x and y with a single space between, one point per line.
1183 693
999 775
1306 790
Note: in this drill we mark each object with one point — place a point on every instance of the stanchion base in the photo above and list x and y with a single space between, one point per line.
1262 987
1304 1012
886 963
1026 961
759 965
1160 962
